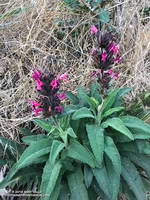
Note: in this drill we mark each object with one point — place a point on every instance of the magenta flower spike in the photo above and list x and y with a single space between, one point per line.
114 47
93 29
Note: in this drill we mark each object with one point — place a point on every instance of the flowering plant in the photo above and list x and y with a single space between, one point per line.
93 149
105 55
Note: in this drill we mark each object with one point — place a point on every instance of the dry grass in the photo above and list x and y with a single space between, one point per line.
28 39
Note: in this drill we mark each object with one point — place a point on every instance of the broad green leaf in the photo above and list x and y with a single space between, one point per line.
64 192
33 138
71 109
126 190
76 186
120 94
113 154
56 148
104 16
111 111
96 139
140 129
82 113
102 179
49 178
95 91
114 179
71 132
33 152
88 176
143 146
56 190
133 179
140 160
73 98
118 125
92 194
44 124
26 131
83 97
110 100
77 151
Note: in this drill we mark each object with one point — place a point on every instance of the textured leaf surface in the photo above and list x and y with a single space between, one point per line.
111 111
133 179
33 138
82 113
118 125
114 180
44 124
79 152
96 139
102 179
140 129
88 176
56 148
76 185
49 178
33 152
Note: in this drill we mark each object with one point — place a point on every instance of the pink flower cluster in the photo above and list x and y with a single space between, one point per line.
48 85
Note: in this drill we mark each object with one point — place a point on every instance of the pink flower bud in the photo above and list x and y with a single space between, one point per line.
113 47
93 29
104 56
39 84
36 74
34 103
62 76
59 108
54 84
36 111
62 95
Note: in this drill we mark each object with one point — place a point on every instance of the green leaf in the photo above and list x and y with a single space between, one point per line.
104 16
73 98
118 125
49 178
102 179
26 131
113 154
133 179
76 185
82 113
56 148
76 151
114 179
88 176
33 152
109 100
120 94
140 160
71 132
44 124
95 91
64 192
96 139
127 191
143 146
111 111
140 129
33 138
71 109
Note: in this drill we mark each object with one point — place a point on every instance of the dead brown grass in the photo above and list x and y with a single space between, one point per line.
28 39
